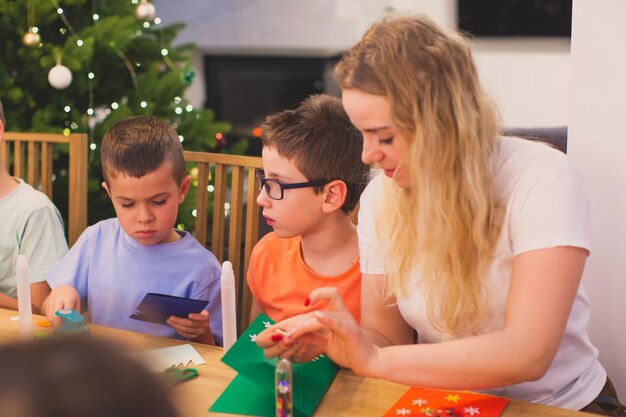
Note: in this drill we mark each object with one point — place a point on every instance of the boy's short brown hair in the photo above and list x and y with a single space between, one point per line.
138 145
2 115
324 145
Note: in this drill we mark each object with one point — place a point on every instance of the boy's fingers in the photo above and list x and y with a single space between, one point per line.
77 306
201 316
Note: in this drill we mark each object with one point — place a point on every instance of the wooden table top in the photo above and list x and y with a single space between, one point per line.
349 395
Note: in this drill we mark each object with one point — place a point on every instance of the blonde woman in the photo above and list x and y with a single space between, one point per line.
471 244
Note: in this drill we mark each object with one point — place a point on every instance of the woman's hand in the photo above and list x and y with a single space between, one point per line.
332 331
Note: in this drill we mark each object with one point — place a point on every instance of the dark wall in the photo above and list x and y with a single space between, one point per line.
505 18
242 90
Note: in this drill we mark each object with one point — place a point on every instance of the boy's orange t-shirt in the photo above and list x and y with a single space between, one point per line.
280 281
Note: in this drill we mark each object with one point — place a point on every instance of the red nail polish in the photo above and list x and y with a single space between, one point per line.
307 302
277 338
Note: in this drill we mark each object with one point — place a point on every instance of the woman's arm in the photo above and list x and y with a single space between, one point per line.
381 320
543 287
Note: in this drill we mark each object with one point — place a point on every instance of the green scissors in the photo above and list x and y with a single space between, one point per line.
178 375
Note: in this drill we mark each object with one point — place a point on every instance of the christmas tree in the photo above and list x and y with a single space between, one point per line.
78 66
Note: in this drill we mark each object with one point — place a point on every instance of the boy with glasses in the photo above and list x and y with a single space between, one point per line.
310 184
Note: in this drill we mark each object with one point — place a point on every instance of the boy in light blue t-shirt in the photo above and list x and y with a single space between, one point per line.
117 261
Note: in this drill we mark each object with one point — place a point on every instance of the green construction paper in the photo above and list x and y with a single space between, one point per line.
243 396
310 380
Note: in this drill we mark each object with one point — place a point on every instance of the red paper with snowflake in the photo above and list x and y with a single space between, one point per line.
438 403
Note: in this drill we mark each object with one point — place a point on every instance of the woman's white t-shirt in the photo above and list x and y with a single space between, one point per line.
546 206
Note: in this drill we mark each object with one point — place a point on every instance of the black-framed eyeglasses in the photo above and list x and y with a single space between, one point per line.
276 190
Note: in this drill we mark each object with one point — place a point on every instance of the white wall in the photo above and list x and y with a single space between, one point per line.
597 145
528 78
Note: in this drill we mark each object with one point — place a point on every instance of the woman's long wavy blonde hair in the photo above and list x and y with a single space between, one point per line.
446 224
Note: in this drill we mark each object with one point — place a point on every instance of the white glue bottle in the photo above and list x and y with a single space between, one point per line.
23 297
229 307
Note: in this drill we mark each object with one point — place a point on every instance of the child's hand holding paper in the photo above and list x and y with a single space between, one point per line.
186 315
194 327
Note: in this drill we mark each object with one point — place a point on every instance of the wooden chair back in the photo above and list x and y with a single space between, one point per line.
234 245
30 156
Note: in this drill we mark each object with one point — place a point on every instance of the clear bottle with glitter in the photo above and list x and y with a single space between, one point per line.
284 389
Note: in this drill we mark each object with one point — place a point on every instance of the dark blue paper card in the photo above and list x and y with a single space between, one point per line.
157 308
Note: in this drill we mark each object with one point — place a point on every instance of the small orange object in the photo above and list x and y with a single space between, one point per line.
44 323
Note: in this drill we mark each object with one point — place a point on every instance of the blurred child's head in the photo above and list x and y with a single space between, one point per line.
144 175
316 142
77 376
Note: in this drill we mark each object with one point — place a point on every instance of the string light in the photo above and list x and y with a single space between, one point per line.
114 105
143 104
189 108
67 109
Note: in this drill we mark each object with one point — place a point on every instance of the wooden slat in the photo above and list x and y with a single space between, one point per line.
4 153
33 159
224 159
37 137
219 197
77 205
235 225
202 203
46 169
251 238
18 160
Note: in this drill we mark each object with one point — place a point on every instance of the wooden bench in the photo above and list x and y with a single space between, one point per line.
30 156
234 202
